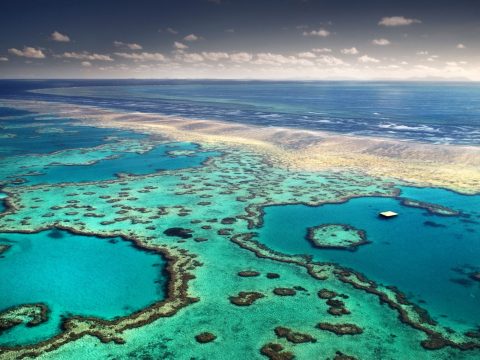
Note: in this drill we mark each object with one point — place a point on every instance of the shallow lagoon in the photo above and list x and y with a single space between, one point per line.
33 134
430 262
74 274
29 133
149 162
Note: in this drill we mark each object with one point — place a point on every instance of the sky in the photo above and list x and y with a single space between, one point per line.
241 39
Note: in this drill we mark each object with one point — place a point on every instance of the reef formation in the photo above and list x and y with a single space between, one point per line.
336 236
202 219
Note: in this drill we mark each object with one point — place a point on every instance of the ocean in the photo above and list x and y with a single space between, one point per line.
439 113
82 206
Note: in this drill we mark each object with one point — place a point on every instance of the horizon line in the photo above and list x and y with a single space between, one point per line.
247 79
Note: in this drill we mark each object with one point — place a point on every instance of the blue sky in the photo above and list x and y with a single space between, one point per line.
263 39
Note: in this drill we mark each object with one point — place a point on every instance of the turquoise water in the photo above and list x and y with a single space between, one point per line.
426 256
149 162
430 262
73 274
2 202
41 134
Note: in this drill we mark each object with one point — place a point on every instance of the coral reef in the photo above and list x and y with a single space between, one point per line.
205 337
246 298
221 201
340 329
293 336
336 236
284 291
276 352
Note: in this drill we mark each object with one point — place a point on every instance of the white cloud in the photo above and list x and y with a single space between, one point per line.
422 52
28 52
215 56
171 31
279 60
192 57
131 46
307 55
424 67
351 51
85 55
179 45
389 67
56 36
86 63
191 37
3 58
322 50
230 30
143 56
461 46
397 21
241 57
367 59
431 58
319 32
134 46
381 42
455 63
330 60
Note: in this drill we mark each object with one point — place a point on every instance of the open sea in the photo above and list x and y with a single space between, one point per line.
440 113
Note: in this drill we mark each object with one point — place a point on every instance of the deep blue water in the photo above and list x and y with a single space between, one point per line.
430 112
430 262
75 274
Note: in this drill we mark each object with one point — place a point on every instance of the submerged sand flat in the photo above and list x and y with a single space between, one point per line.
453 167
